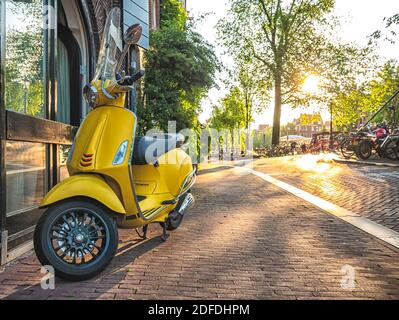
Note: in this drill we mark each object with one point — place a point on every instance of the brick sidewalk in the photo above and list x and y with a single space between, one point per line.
369 191
244 239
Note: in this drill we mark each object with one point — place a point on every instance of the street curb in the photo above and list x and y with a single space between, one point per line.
359 162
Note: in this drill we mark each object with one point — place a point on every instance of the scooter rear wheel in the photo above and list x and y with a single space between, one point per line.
174 221
78 238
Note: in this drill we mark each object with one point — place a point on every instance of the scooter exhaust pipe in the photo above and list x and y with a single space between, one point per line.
186 203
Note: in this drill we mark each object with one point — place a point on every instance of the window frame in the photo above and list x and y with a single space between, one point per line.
2 121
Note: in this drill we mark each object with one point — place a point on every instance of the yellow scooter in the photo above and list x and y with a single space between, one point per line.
116 180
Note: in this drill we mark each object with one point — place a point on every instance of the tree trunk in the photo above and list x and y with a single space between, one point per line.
247 125
277 111
232 145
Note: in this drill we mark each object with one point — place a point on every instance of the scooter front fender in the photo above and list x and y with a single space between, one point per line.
85 185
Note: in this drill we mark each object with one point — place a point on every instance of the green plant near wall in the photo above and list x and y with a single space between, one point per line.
180 69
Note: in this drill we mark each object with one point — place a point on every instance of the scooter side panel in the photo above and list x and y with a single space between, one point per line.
168 177
84 185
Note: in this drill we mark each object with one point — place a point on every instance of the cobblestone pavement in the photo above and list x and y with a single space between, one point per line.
369 191
243 239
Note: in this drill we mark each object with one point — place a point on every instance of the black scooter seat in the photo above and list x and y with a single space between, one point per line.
148 149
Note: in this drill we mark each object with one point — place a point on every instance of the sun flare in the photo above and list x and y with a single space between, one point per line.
311 84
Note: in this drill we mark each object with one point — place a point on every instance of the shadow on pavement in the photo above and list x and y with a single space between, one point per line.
213 170
245 239
115 271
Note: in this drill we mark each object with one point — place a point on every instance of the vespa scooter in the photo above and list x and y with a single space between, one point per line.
116 180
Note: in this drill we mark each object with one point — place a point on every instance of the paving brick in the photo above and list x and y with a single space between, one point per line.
366 190
244 239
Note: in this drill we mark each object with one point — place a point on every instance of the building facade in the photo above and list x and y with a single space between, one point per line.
312 125
48 53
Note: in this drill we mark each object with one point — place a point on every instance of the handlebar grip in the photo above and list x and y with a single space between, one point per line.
137 76
130 80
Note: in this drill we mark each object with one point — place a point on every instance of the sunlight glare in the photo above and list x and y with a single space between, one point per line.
322 163
311 84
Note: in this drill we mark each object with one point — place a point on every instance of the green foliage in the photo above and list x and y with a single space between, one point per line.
354 106
390 32
230 114
180 70
24 59
308 119
173 14
263 138
253 89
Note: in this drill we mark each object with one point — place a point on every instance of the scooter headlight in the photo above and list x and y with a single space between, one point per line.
90 94
121 154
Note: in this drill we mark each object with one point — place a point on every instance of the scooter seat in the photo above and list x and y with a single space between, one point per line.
148 149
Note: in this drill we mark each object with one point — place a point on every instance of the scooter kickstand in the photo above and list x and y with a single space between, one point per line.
164 236
145 229
144 235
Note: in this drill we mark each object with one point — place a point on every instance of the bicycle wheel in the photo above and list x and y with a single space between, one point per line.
391 150
364 150
346 148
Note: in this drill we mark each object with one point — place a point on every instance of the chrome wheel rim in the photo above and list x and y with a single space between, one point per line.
78 237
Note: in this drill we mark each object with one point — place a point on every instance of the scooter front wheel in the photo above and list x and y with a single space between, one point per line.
78 238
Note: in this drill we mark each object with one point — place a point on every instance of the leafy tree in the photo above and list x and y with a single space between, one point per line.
230 114
308 119
363 100
390 31
262 138
180 70
286 40
349 108
254 94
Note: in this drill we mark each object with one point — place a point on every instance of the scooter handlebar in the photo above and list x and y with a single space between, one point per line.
130 80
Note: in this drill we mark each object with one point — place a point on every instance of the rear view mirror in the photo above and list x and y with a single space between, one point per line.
131 37
133 34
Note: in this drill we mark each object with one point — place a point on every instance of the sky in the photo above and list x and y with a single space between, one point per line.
360 18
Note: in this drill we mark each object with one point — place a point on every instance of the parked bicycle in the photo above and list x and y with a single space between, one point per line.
371 140
390 146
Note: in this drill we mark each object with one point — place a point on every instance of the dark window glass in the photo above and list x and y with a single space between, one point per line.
64 91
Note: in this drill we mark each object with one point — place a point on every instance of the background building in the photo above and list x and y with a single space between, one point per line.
43 71
307 125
